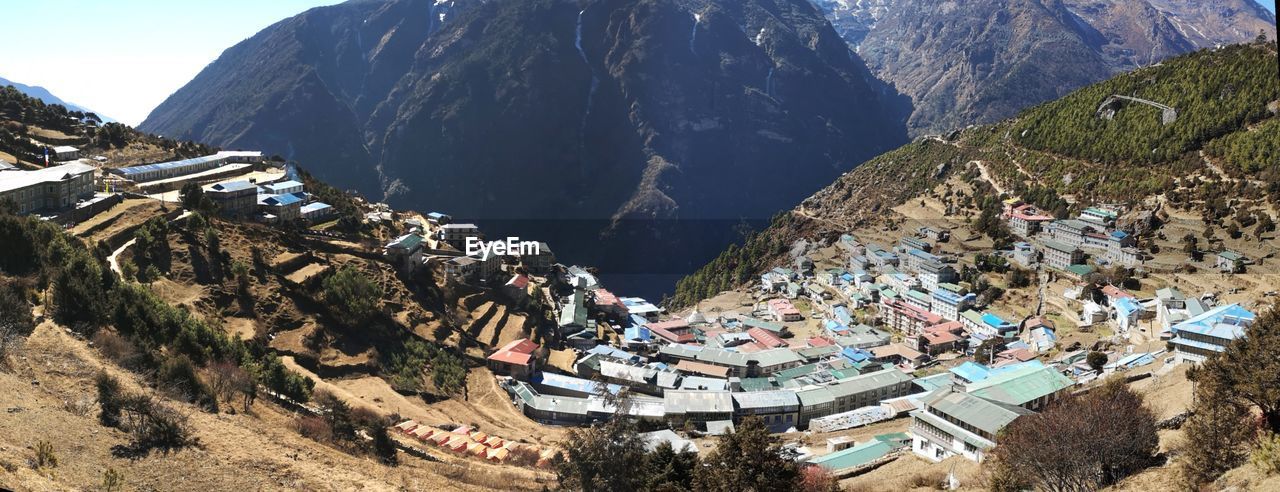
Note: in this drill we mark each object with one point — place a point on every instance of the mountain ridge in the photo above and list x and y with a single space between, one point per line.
978 62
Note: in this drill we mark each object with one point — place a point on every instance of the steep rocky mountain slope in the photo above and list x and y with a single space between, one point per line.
1217 159
550 108
979 61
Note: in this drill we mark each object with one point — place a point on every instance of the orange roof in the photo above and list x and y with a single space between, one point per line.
896 349
939 337
518 352
765 338
702 368
1115 292
948 327
820 342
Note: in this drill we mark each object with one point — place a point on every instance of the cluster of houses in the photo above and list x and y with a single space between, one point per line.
468 441
436 241
1062 244
273 203
709 372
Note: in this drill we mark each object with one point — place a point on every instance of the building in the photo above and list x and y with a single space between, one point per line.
50 189
869 389
1030 386
316 211
457 234
540 262
462 268
63 153
1025 254
405 251
779 409
1230 261
282 188
672 331
1061 255
515 359
766 362
235 198
183 167
949 300
1025 220
1101 216
782 310
698 407
438 219
1209 333
1071 231
284 208
908 319
950 422
932 273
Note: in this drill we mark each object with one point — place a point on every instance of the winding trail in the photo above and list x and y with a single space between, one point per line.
115 256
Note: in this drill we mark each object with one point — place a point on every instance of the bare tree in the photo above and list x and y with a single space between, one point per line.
1083 443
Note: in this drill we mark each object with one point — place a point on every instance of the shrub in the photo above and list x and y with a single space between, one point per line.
112 480
45 457
109 396
1266 456
177 376
314 428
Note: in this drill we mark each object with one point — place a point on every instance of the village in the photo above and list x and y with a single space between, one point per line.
852 334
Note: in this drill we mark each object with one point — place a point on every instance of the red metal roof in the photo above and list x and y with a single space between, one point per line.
765 338
518 352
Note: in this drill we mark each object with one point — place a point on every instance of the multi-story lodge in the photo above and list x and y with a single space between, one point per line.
906 318
236 198
1061 255
1071 231
949 300
951 422
1209 333
1026 220
54 188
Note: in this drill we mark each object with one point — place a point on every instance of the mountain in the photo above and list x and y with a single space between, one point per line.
979 61
534 109
44 95
560 118
1216 159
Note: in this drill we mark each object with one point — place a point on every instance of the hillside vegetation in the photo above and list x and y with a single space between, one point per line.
1063 156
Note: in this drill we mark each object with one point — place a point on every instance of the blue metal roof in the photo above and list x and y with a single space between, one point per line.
638 333
1126 306
283 185
971 371
235 186
1225 322
192 162
995 321
281 200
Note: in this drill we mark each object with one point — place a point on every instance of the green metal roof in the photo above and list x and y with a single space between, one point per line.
1020 386
855 456
1080 270
988 416
756 384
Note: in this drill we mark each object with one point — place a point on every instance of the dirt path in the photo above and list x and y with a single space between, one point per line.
986 176
113 260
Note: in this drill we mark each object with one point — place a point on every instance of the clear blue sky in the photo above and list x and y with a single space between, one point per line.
1269 4
123 57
